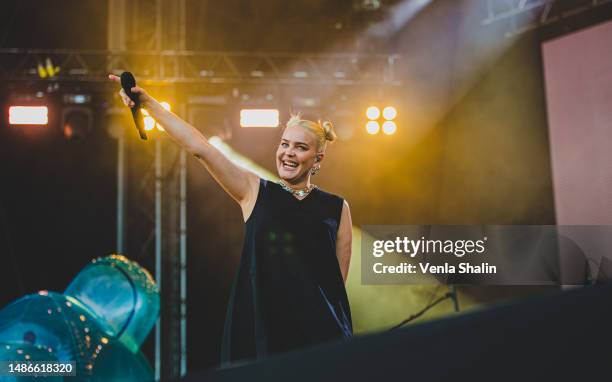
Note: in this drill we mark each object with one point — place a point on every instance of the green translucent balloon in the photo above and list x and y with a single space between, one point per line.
122 294
99 323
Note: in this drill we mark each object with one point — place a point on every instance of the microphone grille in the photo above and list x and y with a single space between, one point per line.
127 80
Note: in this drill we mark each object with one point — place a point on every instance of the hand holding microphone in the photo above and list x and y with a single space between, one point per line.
132 96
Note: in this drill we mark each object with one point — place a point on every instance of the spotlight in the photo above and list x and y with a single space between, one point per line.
259 117
389 113
149 123
300 102
389 127
76 122
300 74
372 127
373 113
28 115
366 5
77 99
48 69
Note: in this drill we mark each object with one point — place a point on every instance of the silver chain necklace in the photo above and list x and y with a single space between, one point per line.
301 193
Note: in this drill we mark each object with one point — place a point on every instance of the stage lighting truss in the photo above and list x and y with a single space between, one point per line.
525 15
193 67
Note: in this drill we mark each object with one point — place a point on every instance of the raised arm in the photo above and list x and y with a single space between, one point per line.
240 184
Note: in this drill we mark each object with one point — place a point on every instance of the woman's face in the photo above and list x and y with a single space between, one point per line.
296 154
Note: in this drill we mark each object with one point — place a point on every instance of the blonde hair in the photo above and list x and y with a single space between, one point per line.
324 131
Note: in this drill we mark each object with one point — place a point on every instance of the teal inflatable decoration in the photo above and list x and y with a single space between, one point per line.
99 323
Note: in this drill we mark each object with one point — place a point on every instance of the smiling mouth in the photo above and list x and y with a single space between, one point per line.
289 165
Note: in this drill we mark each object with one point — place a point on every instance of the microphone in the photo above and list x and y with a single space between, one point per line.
127 83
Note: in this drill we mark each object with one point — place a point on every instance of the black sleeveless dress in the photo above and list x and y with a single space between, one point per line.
288 292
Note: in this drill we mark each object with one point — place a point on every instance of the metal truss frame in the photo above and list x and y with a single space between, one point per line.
181 66
526 15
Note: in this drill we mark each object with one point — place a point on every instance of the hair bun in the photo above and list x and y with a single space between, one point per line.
330 134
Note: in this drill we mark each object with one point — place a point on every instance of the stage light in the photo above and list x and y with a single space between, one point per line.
42 73
76 122
259 118
300 102
366 5
373 113
149 123
372 127
300 74
28 115
389 127
52 70
389 113
77 99
48 69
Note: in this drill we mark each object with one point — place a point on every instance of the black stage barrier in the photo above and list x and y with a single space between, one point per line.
564 336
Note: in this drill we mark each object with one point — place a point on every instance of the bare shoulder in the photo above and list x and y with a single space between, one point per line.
345 205
345 208
345 217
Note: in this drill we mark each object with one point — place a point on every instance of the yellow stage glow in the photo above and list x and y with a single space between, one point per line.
373 113
241 160
149 123
259 118
389 113
372 127
389 127
28 115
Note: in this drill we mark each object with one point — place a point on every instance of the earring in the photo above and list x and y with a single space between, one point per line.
315 169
